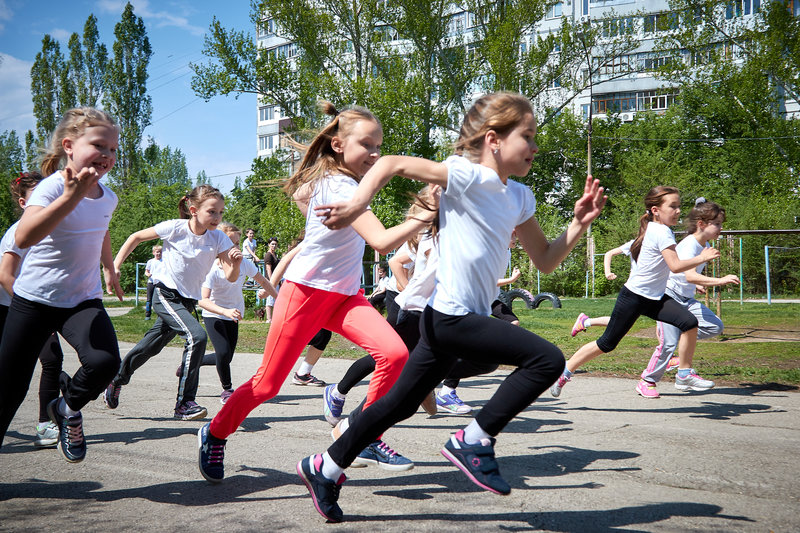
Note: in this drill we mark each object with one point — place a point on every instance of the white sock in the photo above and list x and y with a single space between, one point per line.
304 369
330 469
474 433
587 322
445 390
64 409
338 395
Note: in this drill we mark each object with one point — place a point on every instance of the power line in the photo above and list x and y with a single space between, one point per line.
230 174
718 140
176 110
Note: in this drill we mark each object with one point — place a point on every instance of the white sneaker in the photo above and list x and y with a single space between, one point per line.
46 434
693 382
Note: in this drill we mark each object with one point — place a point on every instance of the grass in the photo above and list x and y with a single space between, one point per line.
739 357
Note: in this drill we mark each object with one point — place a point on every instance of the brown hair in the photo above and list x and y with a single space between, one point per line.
195 197
423 201
655 197
320 159
705 211
500 112
72 125
22 184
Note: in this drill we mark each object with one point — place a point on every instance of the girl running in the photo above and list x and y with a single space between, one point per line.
653 252
705 223
191 243
322 287
222 303
65 225
479 208
51 356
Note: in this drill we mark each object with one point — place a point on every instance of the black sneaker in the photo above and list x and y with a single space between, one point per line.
70 433
307 379
212 453
381 455
189 410
324 492
111 395
477 462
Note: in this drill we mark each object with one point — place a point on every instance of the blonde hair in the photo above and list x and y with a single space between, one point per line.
320 159
72 125
655 197
500 112
157 247
423 201
195 197
228 228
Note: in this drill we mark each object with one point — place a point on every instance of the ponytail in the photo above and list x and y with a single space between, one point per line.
654 198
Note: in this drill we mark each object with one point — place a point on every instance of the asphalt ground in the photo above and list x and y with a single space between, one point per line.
599 458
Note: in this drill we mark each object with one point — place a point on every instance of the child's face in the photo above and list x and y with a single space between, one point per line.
251 234
361 148
157 253
96 148
517 149
711 229
669 211
235 236
381 273
209 213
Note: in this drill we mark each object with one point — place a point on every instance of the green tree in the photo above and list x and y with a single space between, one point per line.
164 166
126 95
88 60
11 163
51 91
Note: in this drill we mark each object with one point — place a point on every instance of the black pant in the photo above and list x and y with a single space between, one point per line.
86 327
445 339
630 306
223 334
148 306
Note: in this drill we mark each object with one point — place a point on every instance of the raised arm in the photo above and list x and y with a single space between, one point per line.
130 245
676 264
231 260
515 274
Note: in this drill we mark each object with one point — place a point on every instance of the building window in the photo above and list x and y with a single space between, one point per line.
614 103
619 26
661 22
266 142
266 113
266 28
657 100
554 11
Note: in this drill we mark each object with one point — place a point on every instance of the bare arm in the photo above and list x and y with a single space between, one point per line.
9 264
341 214
400 273
130 245
384 240
266 285
109 271
515 274
208 304
231 260
676 264
607 261
707 281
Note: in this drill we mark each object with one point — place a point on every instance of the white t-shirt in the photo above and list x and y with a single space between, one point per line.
477 214
391 285
649 278
420 287
248 247
186 258
225 293
63 269
9 245
688 248
153 266
330 259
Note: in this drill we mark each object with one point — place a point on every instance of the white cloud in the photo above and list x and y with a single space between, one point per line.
15 86
159 19
60 34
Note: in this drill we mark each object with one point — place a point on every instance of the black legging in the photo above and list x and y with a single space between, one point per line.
630 306
223 334
445 339
86 327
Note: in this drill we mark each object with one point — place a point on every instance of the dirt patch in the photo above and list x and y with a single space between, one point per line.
739 334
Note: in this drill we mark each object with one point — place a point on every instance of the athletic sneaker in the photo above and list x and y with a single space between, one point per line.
211 454
578 327
324 492
381 455
673 364
46 434
70 433
429 404
111 395
477 462
647 389
555 390
693 382
307 379
223 397
189 410
331 405
452 403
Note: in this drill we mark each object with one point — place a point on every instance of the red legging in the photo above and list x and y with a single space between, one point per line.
300 311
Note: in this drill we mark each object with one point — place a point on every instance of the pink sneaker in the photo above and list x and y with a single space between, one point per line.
673 364
647 389
578 327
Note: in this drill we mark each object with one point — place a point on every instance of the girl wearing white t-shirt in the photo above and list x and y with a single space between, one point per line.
653 252
705 223
65 225
51 356
222 303
478 209
322 287
190 246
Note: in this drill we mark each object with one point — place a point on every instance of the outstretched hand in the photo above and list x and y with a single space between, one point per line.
80 184
112 283
589 206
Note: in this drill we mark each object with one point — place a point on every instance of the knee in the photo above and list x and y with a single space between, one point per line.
106 367
607 344
689 324
551 363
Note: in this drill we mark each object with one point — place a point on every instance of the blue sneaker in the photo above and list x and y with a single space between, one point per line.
381 455
71 442
477 462
324 492
451 403
211 455
331 405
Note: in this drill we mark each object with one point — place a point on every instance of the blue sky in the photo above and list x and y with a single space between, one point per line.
218 136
